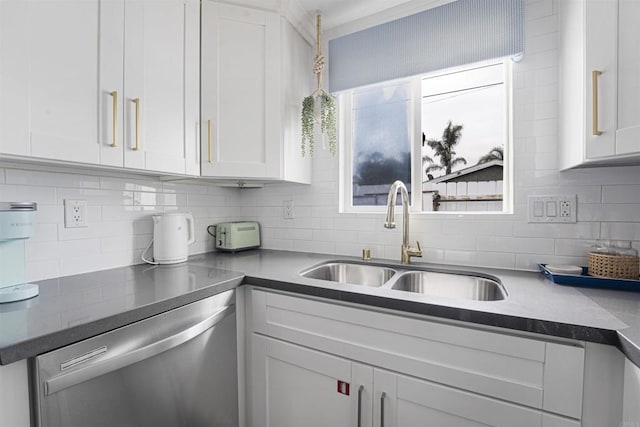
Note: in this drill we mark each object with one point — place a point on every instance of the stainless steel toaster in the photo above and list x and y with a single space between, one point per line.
237 236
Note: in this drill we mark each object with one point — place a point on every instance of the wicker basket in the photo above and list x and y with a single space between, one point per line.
615 266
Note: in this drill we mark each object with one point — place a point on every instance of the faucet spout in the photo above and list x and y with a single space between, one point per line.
407 251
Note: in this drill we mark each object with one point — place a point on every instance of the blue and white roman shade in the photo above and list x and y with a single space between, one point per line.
454 34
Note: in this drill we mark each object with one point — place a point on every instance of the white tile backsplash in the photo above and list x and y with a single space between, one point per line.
119 217
608 198
120 207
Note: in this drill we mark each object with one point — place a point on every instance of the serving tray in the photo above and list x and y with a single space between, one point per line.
586 281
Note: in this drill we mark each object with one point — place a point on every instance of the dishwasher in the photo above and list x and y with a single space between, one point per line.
178 368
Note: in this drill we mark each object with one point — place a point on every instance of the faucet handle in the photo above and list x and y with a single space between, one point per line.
419 248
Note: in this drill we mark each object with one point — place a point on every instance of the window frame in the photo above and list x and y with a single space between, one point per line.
345 121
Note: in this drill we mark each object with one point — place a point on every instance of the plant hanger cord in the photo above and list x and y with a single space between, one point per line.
326 117
318 60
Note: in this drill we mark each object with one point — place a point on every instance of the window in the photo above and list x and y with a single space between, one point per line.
445 135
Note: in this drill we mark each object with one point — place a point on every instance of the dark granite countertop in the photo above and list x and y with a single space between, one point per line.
73 308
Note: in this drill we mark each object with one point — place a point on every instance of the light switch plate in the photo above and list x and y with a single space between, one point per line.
552 209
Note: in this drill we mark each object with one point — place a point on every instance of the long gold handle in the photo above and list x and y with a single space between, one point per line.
594 108
209 139
114 94
137 102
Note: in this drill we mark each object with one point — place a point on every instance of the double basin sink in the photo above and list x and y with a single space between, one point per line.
449 284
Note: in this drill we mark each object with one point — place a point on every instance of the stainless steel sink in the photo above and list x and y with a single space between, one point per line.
449 285
354 274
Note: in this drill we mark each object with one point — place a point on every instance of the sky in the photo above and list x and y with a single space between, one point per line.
474 98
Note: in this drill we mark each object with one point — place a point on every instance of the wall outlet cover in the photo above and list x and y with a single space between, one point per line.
75 213
287 208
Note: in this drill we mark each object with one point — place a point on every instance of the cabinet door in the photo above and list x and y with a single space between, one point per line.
60 61
401 401
161 85
240 92
630 409
628 134
294 386
600 56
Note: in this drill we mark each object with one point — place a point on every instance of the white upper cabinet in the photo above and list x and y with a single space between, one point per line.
161 93
60 61
69 71
599 89
254 68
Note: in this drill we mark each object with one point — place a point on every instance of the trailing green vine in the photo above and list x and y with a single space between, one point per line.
327 120
307 124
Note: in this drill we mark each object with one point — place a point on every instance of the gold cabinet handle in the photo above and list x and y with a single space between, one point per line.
114 94
594 78
209 139
137 102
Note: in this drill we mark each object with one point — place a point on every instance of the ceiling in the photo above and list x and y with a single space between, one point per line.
338 12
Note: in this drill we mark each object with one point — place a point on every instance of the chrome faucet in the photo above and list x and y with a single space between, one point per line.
407 251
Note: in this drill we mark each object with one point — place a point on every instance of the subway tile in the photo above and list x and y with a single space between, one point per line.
42 251
41 270
611 212
621 230
621 194
481 259
586 230
530 262
75 234
27 193
573 247
117 244
531 245
45 232
50 179
124 184
96 197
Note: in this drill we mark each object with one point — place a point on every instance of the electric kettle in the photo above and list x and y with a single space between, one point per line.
172 234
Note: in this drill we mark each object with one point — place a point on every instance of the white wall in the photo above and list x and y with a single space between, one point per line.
120 208
119 215
608 198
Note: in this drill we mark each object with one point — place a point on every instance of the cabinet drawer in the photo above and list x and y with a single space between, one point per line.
521 370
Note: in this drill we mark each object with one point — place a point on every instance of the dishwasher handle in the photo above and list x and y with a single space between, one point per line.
93 370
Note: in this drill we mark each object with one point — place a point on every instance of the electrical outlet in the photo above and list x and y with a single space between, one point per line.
553 209
287 208
75 213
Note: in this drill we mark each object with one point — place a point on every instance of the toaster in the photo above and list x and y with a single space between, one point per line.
237 236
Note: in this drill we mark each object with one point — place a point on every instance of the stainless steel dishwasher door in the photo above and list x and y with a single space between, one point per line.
178 368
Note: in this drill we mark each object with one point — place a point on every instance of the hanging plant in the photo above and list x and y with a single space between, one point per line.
327 114
328 120
307 124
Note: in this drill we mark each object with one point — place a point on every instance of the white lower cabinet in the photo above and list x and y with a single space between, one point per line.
294 386
631 408
412 370
402 401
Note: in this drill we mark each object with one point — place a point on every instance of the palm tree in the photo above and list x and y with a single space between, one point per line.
496 153
444 149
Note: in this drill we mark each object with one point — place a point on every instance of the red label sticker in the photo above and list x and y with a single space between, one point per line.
343 388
